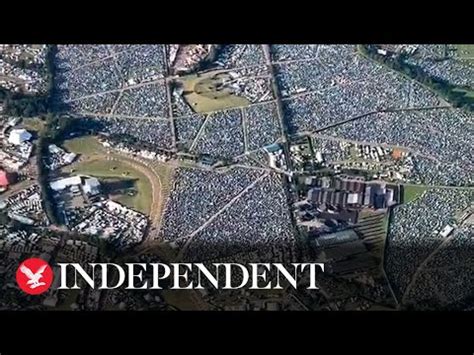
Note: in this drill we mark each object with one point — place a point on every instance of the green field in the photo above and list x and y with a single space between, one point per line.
465 51
86 146
94 163
123 190
112 170
412 192
204 93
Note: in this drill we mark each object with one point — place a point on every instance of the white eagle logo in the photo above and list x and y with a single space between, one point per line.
33 278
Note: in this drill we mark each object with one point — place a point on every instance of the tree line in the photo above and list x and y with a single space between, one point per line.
42 106
28 105
456 95
53 132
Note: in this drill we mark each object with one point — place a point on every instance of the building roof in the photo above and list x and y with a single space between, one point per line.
69 157
18 136
446 231
4 178
352 198
91 186
64 183
53 148
272 148
92 182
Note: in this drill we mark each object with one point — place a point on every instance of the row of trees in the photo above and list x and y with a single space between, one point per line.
27 105
21 63
43 172
55 129
49 134
457 96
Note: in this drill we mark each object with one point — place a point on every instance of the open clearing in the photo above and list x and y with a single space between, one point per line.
412 192
465 52
205 92
85 146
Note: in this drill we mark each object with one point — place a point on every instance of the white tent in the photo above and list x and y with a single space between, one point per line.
18 136
92 186
62 184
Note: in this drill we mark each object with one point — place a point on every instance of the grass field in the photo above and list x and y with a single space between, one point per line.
86 146
465 51
203 93
412 192
119 170
123 190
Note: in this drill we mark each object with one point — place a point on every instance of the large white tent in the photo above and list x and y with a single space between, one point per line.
18 136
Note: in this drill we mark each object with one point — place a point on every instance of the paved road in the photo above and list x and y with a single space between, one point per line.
114 107
13 189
